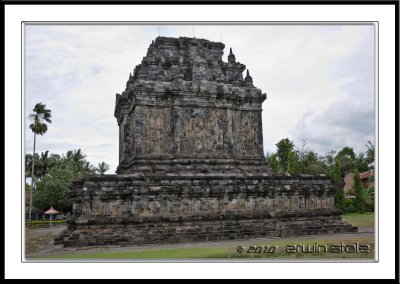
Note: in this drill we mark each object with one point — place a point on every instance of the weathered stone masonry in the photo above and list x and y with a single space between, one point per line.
191 161
185 106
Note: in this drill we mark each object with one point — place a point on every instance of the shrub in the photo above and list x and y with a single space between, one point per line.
340 200
350 207
47 222
359 202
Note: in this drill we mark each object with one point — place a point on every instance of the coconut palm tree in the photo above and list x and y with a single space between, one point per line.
370 154
88 169
102 168
44 163
39 116
77 158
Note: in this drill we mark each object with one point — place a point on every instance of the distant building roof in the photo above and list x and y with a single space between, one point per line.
366 174
349 179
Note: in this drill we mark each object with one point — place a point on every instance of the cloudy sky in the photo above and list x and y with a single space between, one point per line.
319 81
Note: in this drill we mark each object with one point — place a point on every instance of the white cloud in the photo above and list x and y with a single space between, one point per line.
321 71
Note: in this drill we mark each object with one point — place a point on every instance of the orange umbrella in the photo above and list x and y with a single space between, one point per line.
50 212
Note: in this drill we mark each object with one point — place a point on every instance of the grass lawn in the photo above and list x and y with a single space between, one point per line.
275 249
306 249
360 220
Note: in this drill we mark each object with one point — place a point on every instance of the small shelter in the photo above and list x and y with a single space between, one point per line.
51 212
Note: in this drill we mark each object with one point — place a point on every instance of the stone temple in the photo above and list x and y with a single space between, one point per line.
191 161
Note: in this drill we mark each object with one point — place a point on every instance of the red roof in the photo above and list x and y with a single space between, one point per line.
51 211
366 174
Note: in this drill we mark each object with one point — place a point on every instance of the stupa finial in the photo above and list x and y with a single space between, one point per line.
231 57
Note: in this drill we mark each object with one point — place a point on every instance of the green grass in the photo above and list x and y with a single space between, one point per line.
360 220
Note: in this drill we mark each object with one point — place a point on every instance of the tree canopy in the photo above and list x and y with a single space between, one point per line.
54 174
51 189
284 148
292 159
102 168
300 160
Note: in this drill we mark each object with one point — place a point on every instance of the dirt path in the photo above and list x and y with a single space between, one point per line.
40 242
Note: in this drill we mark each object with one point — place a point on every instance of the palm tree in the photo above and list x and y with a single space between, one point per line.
44 163
88 169
367 195
102 168
39 116
77 158
370 154
28 164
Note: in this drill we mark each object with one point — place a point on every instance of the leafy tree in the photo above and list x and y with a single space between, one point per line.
50 190
292 162
333 164
360 163
347 152
346 159
102 168
273 163
329 158
40 116
305 161
334 173
312 164
301 158
358 189
285 146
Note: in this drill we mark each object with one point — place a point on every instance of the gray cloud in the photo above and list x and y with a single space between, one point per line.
351 120
342 124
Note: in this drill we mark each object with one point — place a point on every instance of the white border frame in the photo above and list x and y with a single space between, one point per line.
14 15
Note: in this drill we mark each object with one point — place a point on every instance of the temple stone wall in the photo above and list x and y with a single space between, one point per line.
186 197
139 208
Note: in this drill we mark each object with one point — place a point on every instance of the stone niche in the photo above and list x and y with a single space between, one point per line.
191 161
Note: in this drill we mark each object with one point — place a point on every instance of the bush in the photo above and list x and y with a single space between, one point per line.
350 207
37 222
340 200
359 202
45 223
370 207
